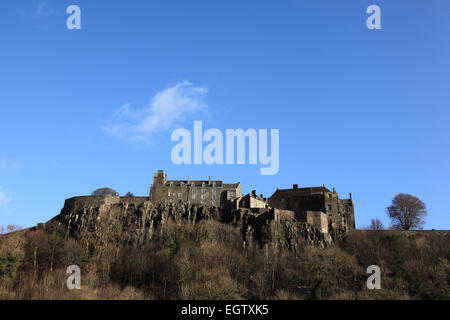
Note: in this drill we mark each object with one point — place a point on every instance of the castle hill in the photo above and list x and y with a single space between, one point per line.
317 214
223 154
206 239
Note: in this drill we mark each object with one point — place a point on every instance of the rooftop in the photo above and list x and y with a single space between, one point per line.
302 191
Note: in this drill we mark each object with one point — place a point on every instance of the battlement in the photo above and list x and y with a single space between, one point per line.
81 202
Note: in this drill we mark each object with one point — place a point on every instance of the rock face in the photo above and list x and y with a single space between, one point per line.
119 215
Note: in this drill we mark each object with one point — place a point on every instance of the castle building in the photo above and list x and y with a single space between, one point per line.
316 205
252 200
200 192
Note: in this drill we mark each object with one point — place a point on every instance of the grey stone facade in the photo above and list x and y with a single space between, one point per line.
200 192
316 205
252 200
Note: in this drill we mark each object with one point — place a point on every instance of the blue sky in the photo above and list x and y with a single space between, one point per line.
365 111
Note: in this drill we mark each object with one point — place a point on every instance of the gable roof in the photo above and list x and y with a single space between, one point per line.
231 185
300 191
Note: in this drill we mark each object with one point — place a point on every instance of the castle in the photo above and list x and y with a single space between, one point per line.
317 206
201 192
314 214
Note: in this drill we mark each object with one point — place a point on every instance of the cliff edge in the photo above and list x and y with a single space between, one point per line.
97 214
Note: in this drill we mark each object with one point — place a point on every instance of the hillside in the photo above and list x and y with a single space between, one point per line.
128 248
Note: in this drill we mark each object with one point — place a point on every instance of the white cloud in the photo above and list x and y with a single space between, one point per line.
5 196
16 164
9 165
165 110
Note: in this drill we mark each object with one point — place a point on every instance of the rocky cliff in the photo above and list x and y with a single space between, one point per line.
137 219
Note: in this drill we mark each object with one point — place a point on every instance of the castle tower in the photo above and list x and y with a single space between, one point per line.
159 180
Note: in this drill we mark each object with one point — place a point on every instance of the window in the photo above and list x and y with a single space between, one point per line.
193 196
169 193
330 207
202 197
179 194
170 200
329 195
213 197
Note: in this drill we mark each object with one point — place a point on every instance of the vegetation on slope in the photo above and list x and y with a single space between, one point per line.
208 260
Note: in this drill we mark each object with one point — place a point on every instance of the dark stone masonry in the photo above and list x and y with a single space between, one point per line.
314 215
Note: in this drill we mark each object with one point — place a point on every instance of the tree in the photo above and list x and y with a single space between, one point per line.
407 212
105 192
376 224
10 228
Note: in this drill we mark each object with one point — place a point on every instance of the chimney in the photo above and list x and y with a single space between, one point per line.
189 180
209 180
350 195
295 186
254 192
261 196
334 190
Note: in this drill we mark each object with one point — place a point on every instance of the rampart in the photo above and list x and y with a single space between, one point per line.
79 203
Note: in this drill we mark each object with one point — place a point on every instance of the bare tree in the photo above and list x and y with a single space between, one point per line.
376 224
10 228
407 212
104 192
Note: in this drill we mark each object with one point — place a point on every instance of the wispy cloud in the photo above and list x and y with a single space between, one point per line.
16 164
5 196
7 165
166 109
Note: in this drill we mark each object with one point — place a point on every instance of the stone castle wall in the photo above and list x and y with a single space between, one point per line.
115 214
79 203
